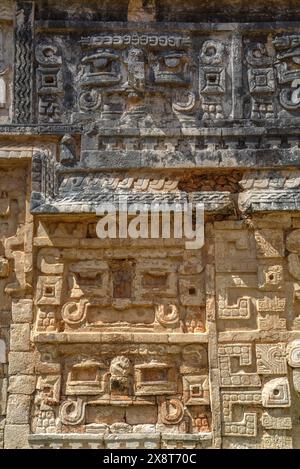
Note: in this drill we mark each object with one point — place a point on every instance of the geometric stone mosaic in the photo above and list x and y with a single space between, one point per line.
134 343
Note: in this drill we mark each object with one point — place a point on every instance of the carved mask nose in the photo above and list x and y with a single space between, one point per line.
136 69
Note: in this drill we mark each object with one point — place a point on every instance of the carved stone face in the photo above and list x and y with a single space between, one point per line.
131 341
101 68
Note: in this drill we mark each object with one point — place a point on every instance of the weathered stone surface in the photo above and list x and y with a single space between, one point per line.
132 342
22 384
3 396
22 311
141 415
18 407
16 436
3 352
6 51
19 337
20 363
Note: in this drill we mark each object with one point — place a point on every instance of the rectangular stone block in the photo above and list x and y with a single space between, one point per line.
20 363
3 355
141 415
132 441
22 384
16 437
66 441
186 441
22 311
20 337
18 408
3 395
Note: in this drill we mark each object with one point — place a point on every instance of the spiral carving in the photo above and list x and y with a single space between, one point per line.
167 315
293 350
172 411
74 313
72 412
90 100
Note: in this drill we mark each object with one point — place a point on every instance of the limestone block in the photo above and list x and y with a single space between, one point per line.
3 395
21 363
19 337
18 408
141 415
22 311
105 414
16 436
132 441
22 384
66 441
3 357
148 428
276 393
293 241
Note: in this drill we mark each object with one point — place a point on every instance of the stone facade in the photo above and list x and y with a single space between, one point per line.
122 343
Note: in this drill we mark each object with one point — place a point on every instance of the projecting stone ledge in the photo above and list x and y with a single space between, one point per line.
119 337
121 441
89 202
269 201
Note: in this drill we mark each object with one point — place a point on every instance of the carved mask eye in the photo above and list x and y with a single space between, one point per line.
48 52
172 61
101 62
212 78
257 53
211 51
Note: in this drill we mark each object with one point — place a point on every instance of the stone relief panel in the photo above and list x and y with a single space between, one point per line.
6 54
256 289
64 181
143 388
151 369
272 76
15 275
83 285
109 343
131 79
23 64
255 357
269 189
135 320
49 82
13 231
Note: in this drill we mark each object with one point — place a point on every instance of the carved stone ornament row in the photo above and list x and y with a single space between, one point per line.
63 183
130 79
142 343
123 344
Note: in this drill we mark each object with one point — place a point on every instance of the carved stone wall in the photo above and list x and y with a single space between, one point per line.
143 343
